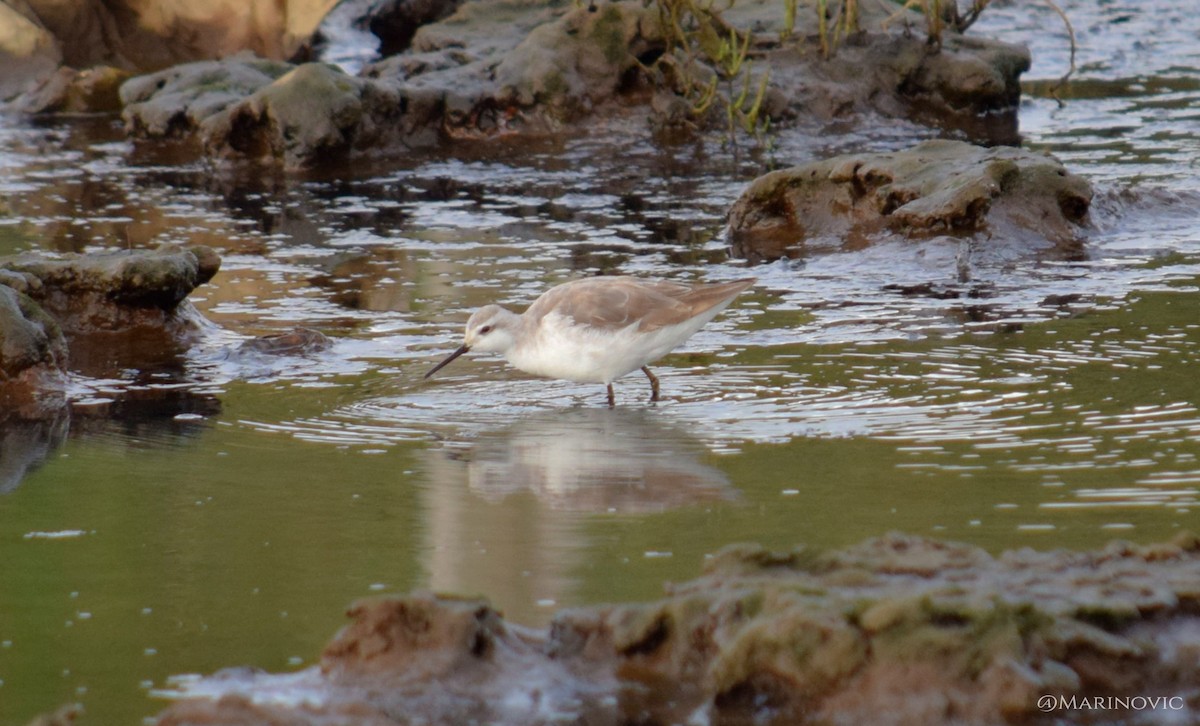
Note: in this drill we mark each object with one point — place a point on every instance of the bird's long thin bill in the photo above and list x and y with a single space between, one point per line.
462 349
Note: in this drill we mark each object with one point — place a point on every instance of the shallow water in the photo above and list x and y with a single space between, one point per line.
221 507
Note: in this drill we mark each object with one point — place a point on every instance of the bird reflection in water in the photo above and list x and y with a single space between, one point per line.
506 515
595 460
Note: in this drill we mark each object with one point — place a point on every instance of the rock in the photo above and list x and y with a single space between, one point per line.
497 67
899 630
146 35
177 101
395 22
249 107
33 351
507 67
29 53
297 341
534 72
70 91
311 114
447 78
117 290
45 301
934 187
889 66
570 65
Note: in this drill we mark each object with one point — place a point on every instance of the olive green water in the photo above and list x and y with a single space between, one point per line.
215 508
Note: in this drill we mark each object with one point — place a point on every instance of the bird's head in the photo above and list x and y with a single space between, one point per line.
491 329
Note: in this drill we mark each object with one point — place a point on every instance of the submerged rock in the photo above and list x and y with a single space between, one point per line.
935 187
297 341
897 630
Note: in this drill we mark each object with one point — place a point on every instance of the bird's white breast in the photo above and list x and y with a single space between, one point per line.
560 348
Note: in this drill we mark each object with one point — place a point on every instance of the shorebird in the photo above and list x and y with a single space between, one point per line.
597 329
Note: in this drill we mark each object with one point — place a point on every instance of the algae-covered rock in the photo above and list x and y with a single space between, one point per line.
29 338
491 67
897 630
116 290
253 108
499 67
935 187
312 113
33 357
888 66
578 60
118 306
176 101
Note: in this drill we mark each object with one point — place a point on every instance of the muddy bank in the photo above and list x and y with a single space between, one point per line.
491 69
128 300
936 187
899 629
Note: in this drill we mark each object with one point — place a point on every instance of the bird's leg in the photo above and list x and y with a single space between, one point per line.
653 383
612 401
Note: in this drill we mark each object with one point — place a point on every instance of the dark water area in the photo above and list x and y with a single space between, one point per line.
218 505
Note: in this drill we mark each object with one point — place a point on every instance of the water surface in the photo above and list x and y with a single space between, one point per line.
215 507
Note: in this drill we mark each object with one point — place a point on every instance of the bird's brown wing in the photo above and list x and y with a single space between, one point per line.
697 299
616 302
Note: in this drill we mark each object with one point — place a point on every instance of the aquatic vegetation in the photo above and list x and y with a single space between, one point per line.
708 61
721 70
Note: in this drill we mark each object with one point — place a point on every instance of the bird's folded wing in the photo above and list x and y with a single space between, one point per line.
616 303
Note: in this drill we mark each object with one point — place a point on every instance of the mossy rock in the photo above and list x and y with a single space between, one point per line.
936 187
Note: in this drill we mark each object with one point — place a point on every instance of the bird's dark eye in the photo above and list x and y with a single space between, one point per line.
485 329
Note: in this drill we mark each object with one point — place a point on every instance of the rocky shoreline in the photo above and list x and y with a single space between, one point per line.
489 69
896 630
